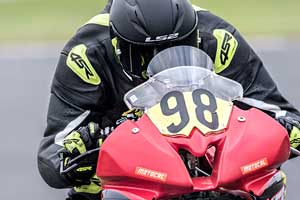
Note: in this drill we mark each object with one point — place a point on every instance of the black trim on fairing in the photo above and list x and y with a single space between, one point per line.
272 191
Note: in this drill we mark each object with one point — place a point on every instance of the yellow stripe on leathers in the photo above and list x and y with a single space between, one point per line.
101 19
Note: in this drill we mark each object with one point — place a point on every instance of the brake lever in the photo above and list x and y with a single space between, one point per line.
73 163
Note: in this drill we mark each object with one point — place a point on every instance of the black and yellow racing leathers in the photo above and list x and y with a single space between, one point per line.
89 83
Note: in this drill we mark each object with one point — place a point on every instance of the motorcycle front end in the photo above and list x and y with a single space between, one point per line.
193 141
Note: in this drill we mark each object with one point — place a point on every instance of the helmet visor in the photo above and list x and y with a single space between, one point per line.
135 58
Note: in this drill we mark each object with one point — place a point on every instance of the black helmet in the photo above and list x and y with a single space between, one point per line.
142 28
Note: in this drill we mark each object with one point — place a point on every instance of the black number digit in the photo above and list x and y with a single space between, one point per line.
180 108
201 108
209 107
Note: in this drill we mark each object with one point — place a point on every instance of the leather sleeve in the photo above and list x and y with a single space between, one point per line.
77 97
235 59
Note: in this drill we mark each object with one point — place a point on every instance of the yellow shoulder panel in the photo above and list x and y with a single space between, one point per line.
197 8
226 47
79 63
101 19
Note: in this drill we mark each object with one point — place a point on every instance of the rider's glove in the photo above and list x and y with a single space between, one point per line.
93 188
292 126
77 143
133 114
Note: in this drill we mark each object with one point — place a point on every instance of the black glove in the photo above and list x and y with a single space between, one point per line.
80 154
292 126
133 114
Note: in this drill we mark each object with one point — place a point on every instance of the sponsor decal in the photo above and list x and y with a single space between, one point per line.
226 47
82 169
79 63
254 166
160 176
162 38
133 98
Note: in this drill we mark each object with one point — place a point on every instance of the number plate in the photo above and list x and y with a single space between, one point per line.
179 112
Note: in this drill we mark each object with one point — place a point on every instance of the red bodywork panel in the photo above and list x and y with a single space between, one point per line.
147 164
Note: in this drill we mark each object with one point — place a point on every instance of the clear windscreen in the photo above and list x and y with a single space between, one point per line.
179 56
189 70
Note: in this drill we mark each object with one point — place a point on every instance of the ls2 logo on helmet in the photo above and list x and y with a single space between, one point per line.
162 38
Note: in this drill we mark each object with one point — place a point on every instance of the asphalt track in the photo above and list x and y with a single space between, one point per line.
26 72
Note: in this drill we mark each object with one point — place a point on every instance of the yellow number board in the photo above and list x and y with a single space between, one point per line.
179 112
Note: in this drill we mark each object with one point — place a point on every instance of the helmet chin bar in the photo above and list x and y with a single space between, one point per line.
133 77
118 53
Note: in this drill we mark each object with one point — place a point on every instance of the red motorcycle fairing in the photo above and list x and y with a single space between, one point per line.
125 152
136 159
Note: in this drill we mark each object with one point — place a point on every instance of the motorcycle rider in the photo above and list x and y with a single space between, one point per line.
108 56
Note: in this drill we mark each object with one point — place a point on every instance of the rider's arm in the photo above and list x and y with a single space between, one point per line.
77 97
234 58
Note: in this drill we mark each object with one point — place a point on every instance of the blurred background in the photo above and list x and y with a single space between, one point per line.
32 33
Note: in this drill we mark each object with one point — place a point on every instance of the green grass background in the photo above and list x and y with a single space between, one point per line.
39 20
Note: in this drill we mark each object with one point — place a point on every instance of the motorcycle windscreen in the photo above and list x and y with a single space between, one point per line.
181 98
179 56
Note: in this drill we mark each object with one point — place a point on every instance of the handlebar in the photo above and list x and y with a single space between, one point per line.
75 162
295 151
